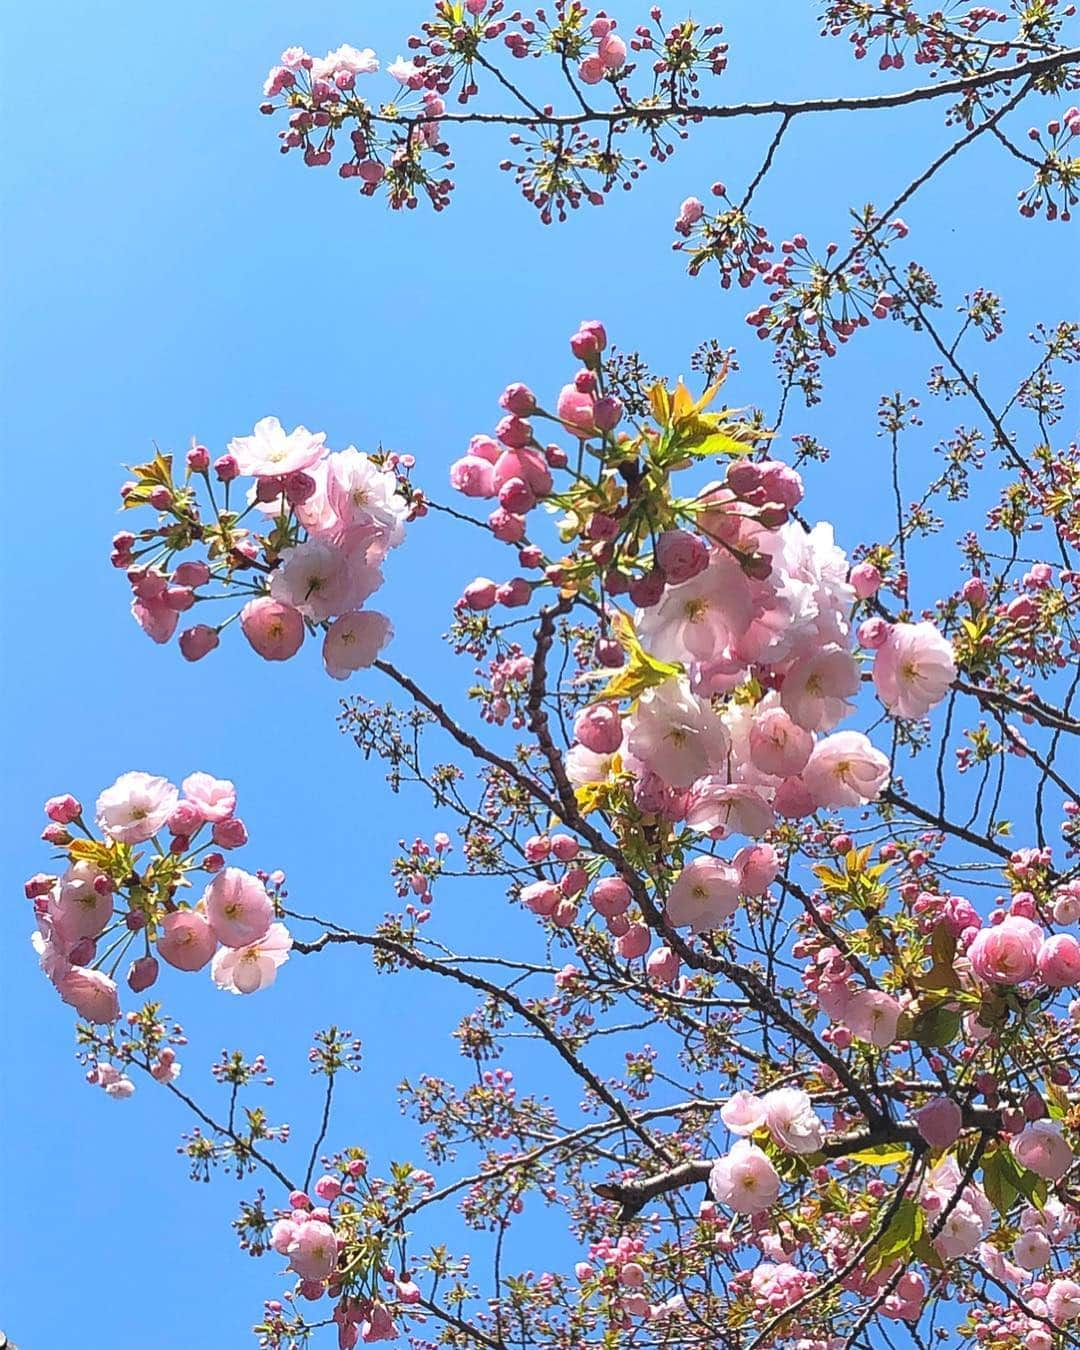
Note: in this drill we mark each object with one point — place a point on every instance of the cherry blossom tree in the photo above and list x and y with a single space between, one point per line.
741 787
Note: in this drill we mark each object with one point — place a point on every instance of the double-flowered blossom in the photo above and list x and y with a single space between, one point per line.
913 669
745 1180
318 527
116 899
786 1113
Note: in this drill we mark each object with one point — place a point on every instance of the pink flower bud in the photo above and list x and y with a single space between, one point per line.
681 555
975 592
663 966
576 410
473 476
565 847
518 399
230 833
541 897
940 1122
574 881
874 632
197 642
328 1188
191 574
1059 961
611 896
517 496
646 591
607 413
64 809
39 884
142 974
506 527
866 580
185 819
634 942
226 468
599 728
514 432
179 598
538 848
514 593
480 594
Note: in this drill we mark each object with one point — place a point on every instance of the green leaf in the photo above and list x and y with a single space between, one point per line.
1004 1181
881 1155
717 443
641 671
936 1026
924 1250
904 1230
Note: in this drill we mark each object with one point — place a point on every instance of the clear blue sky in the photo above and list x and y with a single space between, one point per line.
167 274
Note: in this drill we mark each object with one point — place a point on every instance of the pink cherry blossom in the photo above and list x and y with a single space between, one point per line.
135 807
320 581
363 495
676 735
238 907
845 770
275 630
90 992
1063 1301
1032 1250
269 450
1007 953
778 745
353 641
705 893
701 617
758 866
186 940
817 690
721 809
313 1250
213 798
245 970
81 909
745 1180
743 1113
792 1121
913 669
872 1015
1043 1149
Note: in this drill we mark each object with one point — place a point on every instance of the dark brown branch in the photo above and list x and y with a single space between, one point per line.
650 114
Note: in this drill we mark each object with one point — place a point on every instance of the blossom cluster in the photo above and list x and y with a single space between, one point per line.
306 545
333 1250
320 95
742 632
120 896
1056 186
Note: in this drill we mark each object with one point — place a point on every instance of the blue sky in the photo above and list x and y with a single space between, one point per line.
168 274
